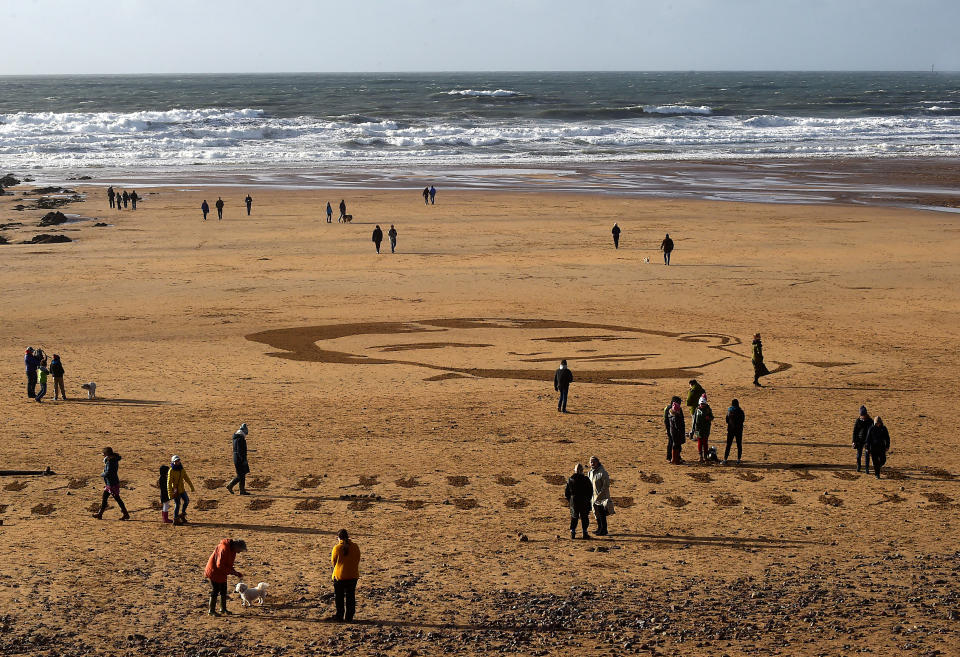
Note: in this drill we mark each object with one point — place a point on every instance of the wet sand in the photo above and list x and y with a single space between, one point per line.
408 398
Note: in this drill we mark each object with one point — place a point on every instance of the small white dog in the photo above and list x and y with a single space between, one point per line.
646 261
91 389
250 595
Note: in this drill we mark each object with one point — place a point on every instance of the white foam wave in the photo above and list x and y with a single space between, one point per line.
496 93
677 109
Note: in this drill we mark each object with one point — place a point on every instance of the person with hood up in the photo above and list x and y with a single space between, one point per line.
345 559
111 484
579 494
666 425
562 379
377 237
759 369
602 504
31 363
735 419
205 208
676 427
878 442
164 494
177 482
702 419
219 568
616 236
860 429
693 396
56 371
240 460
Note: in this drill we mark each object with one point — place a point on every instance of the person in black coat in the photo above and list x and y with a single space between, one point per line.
219 206
666 425
860 429
240 463
562 379
249 202
616 236
205 208
878 442
735 419
579 492
677 430
377 237
111 483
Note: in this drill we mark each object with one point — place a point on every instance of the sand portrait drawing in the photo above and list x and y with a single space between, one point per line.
615 348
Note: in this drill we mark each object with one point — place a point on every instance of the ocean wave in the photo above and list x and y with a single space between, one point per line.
677 109
496 93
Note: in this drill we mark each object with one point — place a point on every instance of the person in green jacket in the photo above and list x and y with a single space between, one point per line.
42 379
759 369
693 396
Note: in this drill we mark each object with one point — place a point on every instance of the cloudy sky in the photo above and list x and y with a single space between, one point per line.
218 36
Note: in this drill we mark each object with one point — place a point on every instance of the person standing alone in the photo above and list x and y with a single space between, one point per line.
616 236
219 568
345 559
562 379
329 213
249 202
667 247
759 368
240 463
735 419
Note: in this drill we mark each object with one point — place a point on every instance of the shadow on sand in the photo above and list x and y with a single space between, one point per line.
108 401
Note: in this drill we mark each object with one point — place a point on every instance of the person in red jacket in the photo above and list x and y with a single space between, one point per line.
219 567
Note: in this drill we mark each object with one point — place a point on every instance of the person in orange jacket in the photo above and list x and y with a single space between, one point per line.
345 559
219 567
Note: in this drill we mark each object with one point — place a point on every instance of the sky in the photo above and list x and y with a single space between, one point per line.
253 36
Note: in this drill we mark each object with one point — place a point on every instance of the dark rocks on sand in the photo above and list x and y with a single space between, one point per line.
53 190
3 240
49 203
44 238
9 181
100 224
53 219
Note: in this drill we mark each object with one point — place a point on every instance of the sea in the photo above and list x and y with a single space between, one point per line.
303 127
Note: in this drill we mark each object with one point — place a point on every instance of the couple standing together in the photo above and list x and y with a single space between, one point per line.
586 491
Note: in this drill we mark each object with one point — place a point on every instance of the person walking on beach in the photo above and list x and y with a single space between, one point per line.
666 425
31 363
126 199
111 484
329 213
42 373
860 429
219 568
433 194
392 234
240 463
735 419
56 370
426 196
693 396
134 197
343 211
616 236
377 237
667 247
759 369
579 494
110 195
878 442
602 504
177 482
702 420
205 208
219 206
164 494
119 202
676 426
562 379
345 559
249 202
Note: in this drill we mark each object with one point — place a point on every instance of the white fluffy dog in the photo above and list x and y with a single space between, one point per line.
250 595
91 389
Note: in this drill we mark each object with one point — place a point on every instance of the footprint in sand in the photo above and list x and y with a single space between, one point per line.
368 481
458 481
214 484
76 483
830 500
359 505
726 499
938 498
517 503
464 503
410 482
207 505
414 505
701 477
622 502
803 475
15 486
676 501
652 478
846 476
311 481
749 476
555 479
504 480
45 509
259 483
310 504
259 505
781 500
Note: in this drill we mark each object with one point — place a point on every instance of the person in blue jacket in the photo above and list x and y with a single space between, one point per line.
31 362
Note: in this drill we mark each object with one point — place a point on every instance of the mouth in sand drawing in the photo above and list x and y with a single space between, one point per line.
522 349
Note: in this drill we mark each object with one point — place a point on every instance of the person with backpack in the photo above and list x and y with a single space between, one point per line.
579 494
878 443
111 483
667 247
860 429
377 237
616 236
702 419
735 419
56 371
240 463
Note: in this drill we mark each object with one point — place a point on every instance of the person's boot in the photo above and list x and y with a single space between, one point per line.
213 607
176 521
166 517
573 534
103 507
223 608
230 487
244 491
676 456
183 519
123 509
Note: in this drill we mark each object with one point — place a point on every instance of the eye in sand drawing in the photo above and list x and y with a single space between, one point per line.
524 349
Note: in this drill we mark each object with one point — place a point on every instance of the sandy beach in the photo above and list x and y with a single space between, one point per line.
408 397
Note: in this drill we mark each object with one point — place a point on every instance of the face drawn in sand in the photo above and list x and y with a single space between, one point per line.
475 347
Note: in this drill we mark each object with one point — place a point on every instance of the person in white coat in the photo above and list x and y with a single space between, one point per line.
602 504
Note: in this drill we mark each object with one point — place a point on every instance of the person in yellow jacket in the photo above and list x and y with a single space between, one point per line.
177 482
345 560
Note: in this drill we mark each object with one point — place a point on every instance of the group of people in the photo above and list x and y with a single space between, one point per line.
666 245
429 195
378 238
701 422
871 440
38 370
205 208
122 200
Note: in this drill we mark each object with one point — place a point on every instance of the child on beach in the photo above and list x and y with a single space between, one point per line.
177 482
164 493
42 379
56 369
702 419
